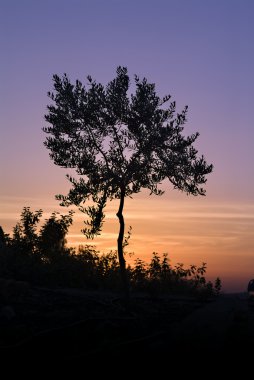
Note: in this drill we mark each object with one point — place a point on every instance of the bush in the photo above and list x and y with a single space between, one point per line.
42 258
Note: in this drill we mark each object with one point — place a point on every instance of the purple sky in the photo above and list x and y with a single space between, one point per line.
199 51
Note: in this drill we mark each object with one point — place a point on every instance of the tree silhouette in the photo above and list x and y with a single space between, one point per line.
119 144
24 233
52 239
3 237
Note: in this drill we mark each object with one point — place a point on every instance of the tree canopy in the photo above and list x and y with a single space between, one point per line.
116 142
119 143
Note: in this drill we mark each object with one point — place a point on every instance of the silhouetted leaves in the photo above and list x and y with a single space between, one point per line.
119 144
115 141
41 256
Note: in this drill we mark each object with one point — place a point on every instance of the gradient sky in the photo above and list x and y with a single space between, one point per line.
199 51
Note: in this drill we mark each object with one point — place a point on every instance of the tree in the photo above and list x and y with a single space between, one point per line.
52 240
3 238
24 233
119 144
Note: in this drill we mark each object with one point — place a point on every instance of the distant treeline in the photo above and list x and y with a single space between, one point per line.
41 257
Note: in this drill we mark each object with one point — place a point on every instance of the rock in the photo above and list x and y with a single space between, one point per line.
12 289
7 313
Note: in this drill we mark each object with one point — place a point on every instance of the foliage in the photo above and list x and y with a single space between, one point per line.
24 233
119 144
52 242
116 142
41 257
4 238
217 285
159 277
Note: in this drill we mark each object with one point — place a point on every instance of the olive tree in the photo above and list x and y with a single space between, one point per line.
119 143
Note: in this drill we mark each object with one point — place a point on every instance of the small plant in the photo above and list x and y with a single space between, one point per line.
139 274
217 286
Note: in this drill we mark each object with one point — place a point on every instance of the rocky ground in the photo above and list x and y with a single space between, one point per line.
46 324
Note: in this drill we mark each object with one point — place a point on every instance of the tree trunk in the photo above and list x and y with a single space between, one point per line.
122 263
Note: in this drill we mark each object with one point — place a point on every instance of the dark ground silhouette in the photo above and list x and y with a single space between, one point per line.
74 324
57 305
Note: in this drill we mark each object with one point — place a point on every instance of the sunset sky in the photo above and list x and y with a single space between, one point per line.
199 51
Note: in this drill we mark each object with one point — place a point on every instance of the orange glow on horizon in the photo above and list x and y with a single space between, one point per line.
191 230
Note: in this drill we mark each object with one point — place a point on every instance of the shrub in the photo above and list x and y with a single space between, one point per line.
42 258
